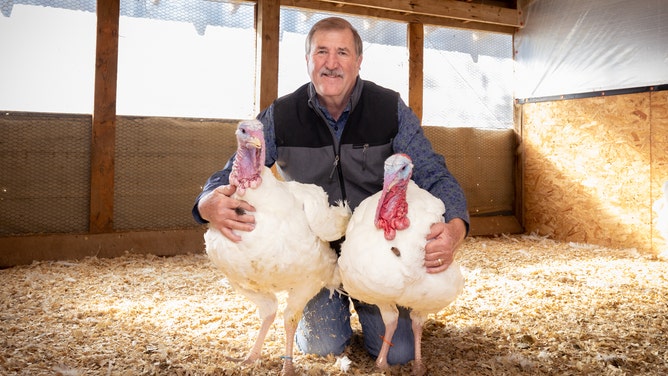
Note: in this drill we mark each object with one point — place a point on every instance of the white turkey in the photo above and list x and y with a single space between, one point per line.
660 207
382 257
288 250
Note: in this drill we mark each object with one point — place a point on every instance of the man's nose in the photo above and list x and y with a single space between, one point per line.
332 61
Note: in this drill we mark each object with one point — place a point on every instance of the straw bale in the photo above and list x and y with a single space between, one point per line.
587 170
531 306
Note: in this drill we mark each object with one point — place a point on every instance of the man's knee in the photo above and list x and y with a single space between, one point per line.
325 326
313 344
401 352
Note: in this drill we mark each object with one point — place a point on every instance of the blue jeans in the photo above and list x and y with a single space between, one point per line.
325 328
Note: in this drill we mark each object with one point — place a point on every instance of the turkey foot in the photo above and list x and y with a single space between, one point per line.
288 368
257 347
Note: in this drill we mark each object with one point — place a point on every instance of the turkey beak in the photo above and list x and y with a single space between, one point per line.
254 142
392 181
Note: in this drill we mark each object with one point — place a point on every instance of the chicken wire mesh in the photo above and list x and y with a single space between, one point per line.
48 55
468 78
174 61
161 165
6 7
44 173
192 58
482 161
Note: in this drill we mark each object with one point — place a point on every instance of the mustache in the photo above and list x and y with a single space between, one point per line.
331 72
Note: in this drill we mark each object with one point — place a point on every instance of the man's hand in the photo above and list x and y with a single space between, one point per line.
226 213
442 242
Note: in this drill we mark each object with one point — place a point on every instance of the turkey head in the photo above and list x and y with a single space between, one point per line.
250 155
392 210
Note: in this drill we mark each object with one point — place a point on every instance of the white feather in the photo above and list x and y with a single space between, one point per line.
372 273
660 207
283 252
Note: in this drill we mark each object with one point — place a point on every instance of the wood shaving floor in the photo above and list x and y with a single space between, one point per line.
531 306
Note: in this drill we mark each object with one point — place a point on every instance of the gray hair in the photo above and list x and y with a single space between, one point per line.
334 23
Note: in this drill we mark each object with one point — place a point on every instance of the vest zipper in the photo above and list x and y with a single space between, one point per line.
366 147
335 164
336 146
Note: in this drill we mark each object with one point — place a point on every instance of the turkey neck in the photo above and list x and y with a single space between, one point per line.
392 211
247 167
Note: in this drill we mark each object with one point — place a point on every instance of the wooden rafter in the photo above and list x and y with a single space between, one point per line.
459 10
439 18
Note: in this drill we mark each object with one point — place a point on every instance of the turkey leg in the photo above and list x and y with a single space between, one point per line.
390 316
267 305
417 325
259 341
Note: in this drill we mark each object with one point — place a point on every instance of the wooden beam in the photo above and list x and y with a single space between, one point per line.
21 250
496 225
267 27
317 5
520 162
103 137
415 67
459 10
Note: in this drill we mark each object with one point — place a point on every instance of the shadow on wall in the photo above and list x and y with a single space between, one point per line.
588 170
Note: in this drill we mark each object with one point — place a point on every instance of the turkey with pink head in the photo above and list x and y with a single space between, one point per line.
288 250
382 258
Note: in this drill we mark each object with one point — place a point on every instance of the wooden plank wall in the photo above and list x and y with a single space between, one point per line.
593 168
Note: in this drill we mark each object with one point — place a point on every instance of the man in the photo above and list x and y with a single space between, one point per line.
336 131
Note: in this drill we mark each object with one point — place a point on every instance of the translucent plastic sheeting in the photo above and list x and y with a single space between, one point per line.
574 46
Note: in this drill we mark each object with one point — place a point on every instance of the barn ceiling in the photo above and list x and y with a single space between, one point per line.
500 16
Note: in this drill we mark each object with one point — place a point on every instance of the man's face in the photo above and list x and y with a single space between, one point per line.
333 64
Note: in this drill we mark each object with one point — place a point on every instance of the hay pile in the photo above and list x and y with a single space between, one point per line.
531 306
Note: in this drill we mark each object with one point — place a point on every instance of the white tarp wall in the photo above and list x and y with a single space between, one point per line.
575 46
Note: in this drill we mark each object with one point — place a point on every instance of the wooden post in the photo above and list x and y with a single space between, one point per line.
104 118
267 18
415 67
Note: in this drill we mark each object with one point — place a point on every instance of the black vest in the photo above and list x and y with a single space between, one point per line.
309 153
